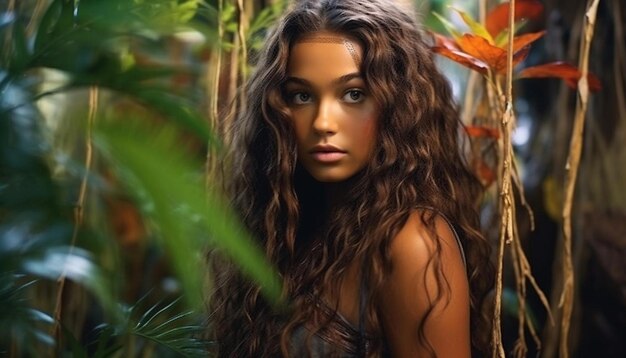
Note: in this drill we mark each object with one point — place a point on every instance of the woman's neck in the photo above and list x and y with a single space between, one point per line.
321 202
336 193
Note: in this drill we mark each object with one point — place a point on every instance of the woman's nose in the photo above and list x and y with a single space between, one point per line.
325 121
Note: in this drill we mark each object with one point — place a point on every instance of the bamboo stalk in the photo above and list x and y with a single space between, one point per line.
241 33
214 84
566 301
79 208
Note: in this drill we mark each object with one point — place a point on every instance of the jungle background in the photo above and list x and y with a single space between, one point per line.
112 117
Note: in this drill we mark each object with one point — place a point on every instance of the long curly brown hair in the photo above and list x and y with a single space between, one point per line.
417 162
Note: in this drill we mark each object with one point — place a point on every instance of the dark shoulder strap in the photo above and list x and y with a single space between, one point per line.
456 234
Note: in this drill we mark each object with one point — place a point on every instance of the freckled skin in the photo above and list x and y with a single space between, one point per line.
330 104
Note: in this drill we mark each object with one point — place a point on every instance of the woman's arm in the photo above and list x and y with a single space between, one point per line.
412 290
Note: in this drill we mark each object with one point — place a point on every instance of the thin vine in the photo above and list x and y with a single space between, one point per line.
566 301
79 209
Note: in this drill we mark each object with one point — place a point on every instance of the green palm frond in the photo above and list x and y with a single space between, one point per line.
18 320
171 331
161 324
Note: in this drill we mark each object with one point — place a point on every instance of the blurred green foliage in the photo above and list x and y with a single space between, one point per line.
149 134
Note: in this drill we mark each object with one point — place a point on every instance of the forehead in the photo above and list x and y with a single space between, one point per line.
329 52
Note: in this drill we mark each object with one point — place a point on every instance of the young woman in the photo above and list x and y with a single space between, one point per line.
346 167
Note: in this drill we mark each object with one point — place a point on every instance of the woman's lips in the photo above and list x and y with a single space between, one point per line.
328 157
327 153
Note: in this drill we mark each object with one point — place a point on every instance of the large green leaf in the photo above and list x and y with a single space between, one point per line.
189 218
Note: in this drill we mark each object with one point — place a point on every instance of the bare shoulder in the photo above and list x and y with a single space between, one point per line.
416 244
427 290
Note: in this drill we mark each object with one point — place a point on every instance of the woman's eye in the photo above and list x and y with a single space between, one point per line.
354 96
300 98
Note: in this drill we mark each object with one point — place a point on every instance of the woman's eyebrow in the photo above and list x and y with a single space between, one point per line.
339 80
347 78
297 80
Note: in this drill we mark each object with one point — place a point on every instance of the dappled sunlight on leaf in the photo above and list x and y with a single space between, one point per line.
477 28
481 49
443 41
478 54
463 59
478 50
75 264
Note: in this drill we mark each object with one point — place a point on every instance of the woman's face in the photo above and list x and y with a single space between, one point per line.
334 116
